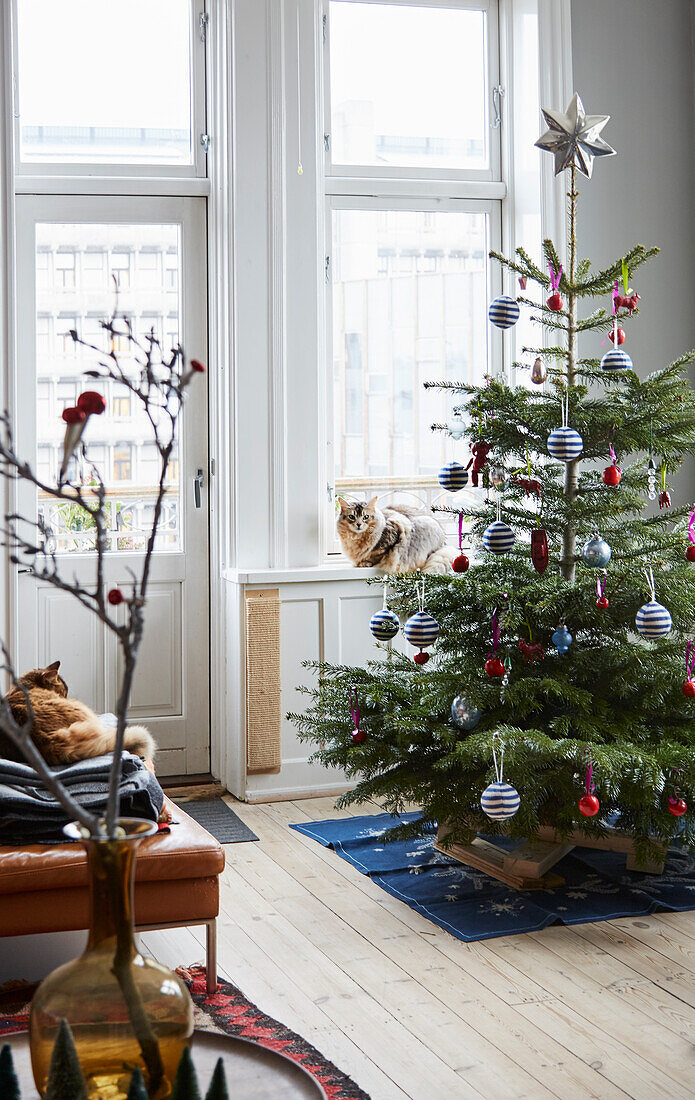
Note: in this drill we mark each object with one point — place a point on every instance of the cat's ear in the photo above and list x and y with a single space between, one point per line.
54 667
371 504
344 506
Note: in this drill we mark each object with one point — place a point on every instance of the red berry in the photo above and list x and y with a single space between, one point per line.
115 597
73 415
421 658
197 366
91 402
494 667
602 602
555 302
677 806
588 805
358 736
460 564
690 552
621 336
689 688
612 475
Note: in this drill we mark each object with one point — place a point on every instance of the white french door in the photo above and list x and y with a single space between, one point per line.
70 252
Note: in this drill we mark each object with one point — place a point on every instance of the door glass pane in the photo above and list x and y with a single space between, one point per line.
105 81
408 86
119 442
409 306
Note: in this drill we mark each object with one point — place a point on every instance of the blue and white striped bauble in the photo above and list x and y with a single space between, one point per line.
384 625
565 444
500 801
498 537
421 629
503 311
653 620
615 359
453 477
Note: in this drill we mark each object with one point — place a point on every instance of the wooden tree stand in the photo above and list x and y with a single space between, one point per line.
528 866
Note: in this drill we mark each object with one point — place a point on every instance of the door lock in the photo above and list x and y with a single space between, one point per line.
198 482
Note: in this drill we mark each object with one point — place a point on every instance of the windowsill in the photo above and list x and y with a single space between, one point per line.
328 572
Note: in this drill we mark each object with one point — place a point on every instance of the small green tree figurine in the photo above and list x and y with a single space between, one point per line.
65 1080
9 1085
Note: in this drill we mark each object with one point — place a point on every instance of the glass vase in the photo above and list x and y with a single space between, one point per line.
124 1010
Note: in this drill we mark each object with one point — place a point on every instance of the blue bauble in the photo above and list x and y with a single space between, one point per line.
653 620
421 629
562 639
565 444
453 477
500 801
498 537
463 714
503 311
596 553
615 359
384 625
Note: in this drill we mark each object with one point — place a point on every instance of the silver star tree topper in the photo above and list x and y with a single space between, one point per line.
574 137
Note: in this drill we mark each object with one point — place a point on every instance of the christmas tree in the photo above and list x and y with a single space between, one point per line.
566 645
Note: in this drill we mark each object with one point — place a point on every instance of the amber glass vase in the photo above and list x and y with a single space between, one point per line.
124 1010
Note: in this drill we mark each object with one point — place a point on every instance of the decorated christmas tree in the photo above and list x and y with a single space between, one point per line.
565 643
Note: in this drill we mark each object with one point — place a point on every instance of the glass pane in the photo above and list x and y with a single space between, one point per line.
395 327
417 95
118 443
105 82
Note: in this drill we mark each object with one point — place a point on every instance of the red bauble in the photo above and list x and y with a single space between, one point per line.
460 564
539 550
358 736
602 602
690 552
588 805
689 688
555 302
677 806
621 336
612 475
421 658
494 667
115 597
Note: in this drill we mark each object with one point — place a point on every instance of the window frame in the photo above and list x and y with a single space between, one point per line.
27 171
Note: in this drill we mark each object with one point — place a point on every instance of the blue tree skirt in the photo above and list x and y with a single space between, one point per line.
472 906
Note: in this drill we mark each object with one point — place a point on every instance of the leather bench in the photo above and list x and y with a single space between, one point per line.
43 887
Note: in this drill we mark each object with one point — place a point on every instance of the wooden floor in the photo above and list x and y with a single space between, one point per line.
599 1010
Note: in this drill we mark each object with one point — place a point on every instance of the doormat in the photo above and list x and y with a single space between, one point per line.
472 906
220 821
229 1011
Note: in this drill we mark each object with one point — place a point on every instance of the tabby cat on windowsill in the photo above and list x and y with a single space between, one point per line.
395 539
65 730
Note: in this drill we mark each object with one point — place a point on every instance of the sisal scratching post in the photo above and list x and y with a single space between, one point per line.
263 687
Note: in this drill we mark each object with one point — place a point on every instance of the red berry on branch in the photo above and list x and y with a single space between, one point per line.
677 806
358 736
197 366
421 658
690 552
588 805
91 402
115 597
460 564
74 415
602 602
621 336
494 667
555 302
689 688
612 475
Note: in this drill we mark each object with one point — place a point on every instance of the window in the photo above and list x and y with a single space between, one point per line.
94 270
122 462
64 266
412 172
120 406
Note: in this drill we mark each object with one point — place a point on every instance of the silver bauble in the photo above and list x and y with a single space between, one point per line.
498 477
463 715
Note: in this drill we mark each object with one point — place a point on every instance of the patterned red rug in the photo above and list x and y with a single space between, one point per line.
231 1012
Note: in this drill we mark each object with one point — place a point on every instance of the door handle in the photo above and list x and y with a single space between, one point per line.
198 482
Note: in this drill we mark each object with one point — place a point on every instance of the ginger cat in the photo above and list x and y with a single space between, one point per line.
65 730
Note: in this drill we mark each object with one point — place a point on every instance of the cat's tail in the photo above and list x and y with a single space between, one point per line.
440 561
140 742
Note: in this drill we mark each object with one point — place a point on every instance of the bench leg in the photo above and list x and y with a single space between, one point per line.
211 955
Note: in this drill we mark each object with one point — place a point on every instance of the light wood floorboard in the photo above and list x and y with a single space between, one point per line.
603 1011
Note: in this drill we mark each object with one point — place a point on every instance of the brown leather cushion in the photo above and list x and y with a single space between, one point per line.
187 852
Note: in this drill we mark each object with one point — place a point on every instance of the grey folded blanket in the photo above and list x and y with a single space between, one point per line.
29 813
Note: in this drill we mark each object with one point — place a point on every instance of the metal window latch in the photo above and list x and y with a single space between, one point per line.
497 94
205 142
327 142
324 23
327 269
203 22
198 482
